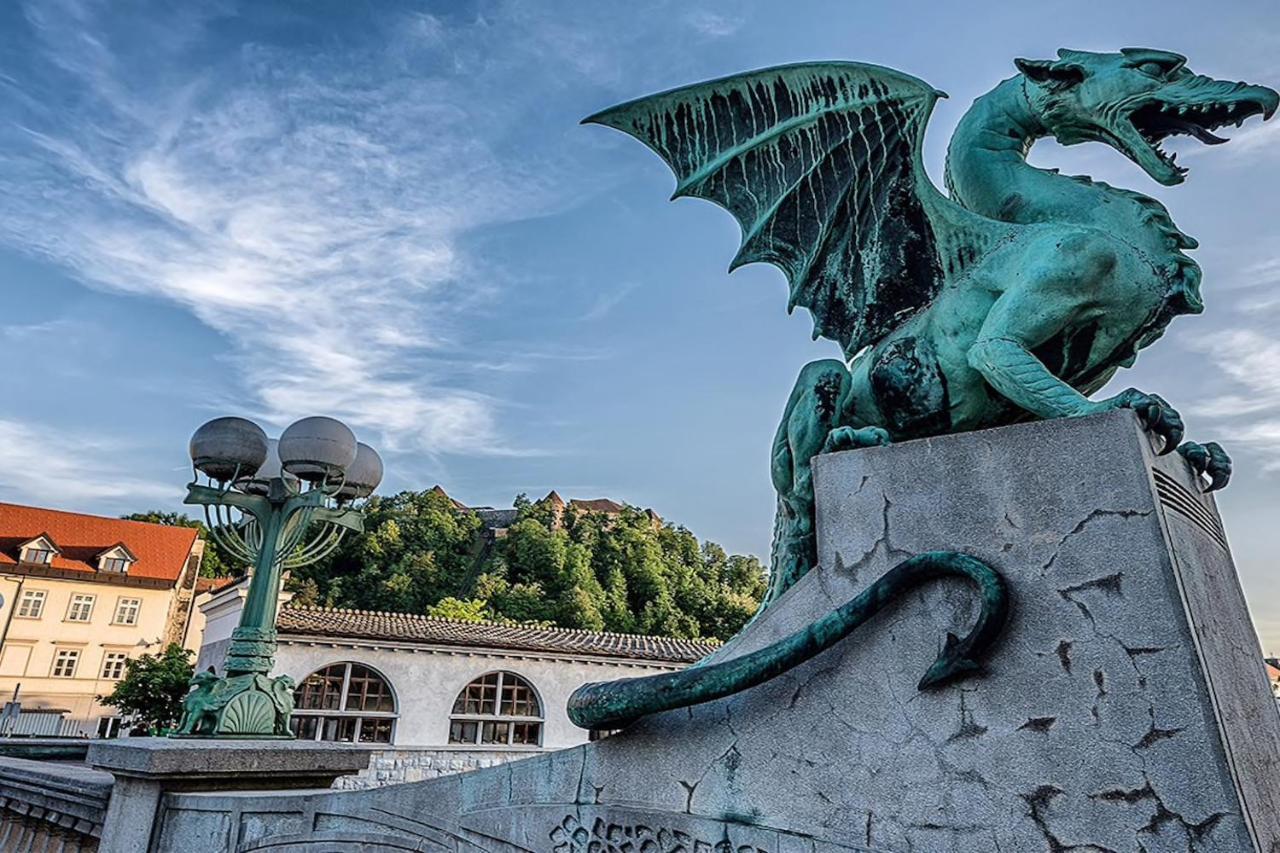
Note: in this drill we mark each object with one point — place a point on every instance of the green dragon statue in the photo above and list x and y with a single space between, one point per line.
1016 296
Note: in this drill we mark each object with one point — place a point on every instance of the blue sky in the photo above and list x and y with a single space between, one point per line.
388 212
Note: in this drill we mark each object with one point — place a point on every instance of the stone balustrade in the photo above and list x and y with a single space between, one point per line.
51 806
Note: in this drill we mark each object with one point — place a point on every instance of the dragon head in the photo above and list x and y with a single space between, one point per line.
1135 99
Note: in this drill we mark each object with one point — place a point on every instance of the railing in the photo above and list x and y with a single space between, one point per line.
41 725
14 721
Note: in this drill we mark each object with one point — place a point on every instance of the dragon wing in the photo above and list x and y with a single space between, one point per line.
820 164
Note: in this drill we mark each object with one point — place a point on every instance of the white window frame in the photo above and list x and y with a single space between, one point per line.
135 604
497 718
77 602
115 565
41 546
60 657
116 560
361 717
36 598
113 726
115 661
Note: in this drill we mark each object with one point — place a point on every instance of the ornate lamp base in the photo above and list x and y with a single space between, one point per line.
282 523
249 705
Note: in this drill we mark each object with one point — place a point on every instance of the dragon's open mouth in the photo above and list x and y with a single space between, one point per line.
1158 120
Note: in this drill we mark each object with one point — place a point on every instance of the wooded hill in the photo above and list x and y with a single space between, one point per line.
561 564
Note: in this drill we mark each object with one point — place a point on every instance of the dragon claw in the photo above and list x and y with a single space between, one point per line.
1156 414
1165 421
1208 460
851 438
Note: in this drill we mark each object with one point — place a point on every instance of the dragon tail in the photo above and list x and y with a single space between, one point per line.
614 704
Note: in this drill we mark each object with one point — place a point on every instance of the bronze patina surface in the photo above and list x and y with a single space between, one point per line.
1013 297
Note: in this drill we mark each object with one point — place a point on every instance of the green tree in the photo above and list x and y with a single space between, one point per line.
306 592
470 610
151 692
624 572
617 613
627 572
216 562
418 548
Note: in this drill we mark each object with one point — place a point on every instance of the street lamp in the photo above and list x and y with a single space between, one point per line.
276 505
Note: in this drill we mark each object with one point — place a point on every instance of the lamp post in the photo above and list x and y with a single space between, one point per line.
275 504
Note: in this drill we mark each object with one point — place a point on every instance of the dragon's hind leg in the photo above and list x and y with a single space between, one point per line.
812 423
853 438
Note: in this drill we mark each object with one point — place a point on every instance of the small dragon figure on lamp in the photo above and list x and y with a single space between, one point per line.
1015 296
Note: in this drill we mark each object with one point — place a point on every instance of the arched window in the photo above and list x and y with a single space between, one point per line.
498 708
345 702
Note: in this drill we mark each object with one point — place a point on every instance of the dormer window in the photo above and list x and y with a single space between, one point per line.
38 552
116 559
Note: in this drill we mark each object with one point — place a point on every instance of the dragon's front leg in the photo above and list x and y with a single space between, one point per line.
1021 377
1013 370
1059 282
1156 414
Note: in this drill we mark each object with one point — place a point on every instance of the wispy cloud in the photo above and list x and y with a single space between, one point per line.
1257 140
1253 141
1249 363
25 334
711 24
1263 274
42 464
605 302
310 209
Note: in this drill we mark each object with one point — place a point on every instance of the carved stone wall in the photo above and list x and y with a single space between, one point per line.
1125 708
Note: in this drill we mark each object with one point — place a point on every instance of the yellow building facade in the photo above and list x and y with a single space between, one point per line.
79 596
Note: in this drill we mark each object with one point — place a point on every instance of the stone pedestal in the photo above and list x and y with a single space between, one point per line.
145 769
1125 707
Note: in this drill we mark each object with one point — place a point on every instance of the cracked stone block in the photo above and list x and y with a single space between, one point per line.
1126 707
1123 710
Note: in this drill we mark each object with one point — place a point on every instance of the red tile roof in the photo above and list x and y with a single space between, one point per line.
161 550
409 627
605 505
438 490
204 584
